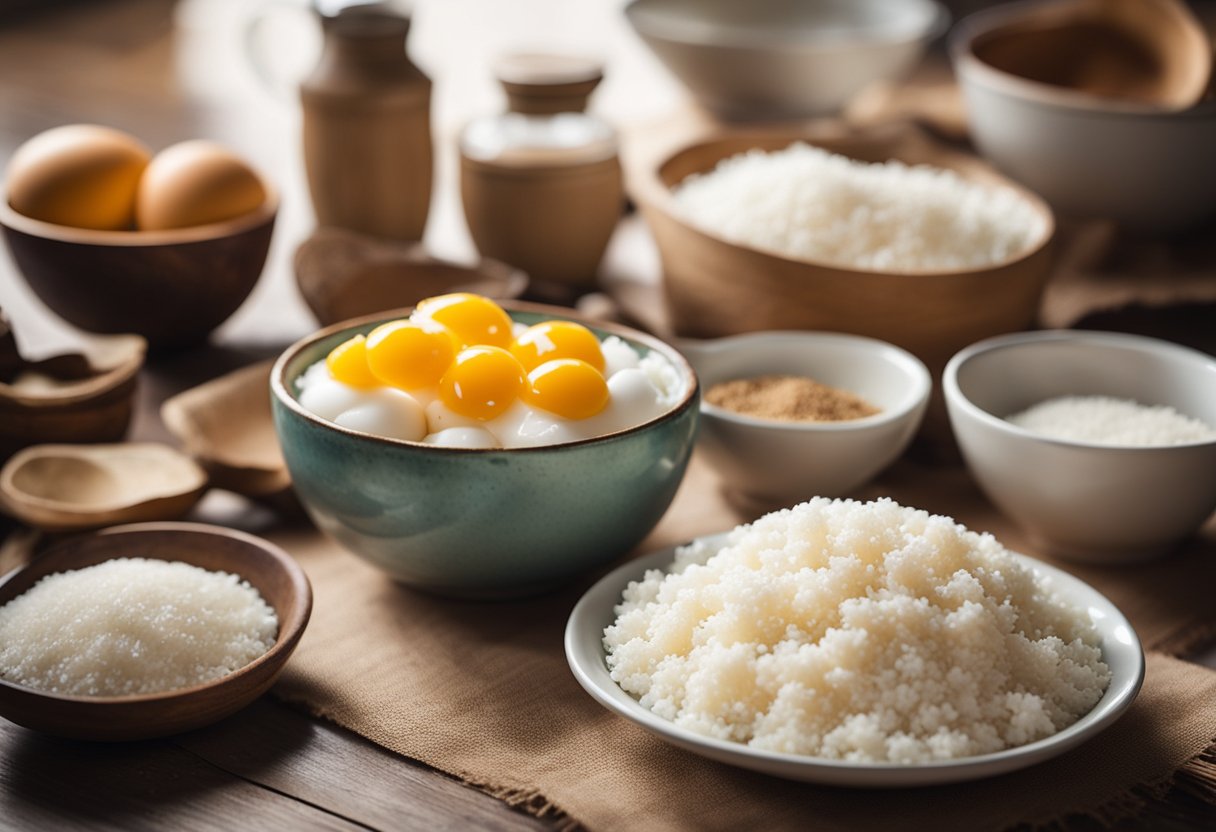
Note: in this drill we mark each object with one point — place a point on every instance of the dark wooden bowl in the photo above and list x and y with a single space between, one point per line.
267 568
172 287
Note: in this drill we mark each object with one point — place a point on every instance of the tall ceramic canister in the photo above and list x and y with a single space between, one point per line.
541 183
367 126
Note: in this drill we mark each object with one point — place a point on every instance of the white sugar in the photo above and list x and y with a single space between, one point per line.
1102 420
131 626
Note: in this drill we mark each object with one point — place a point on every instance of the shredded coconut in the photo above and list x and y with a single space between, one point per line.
866 632
807 203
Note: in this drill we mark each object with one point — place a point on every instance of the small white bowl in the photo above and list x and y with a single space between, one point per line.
1088 502
758 59
767 461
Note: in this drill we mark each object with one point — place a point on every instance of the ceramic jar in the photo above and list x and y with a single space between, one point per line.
367 127
541 183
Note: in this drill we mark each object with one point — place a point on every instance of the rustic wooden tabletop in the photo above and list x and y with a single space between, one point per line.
169 71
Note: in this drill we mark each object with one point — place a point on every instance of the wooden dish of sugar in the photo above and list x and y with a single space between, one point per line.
152 712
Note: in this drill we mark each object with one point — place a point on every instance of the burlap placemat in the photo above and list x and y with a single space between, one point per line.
482 691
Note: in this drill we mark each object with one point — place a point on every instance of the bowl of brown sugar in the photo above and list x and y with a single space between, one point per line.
787 416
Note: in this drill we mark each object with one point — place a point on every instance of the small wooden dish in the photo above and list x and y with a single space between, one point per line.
76 397
268 569
343 274
77 487
227 426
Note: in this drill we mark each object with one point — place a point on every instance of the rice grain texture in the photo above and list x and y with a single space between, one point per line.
865 632
806 203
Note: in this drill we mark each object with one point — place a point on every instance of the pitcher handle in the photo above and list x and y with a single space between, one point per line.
273 82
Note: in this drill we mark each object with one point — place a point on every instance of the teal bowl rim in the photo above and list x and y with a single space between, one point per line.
279 391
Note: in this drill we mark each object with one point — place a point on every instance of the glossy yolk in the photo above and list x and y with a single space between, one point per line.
567 387
471 318
410 354
482 383
347 363
557 339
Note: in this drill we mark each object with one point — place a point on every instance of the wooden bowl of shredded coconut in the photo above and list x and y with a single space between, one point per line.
884 233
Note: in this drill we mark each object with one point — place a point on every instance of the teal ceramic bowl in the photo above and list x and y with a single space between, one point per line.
483 523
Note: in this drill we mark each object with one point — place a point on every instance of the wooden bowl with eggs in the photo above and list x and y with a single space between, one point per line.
114 240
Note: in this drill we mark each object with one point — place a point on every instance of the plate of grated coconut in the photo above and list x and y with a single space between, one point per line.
856 644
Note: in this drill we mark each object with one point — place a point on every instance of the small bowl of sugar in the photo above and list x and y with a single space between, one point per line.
146 630
1101 445
787 416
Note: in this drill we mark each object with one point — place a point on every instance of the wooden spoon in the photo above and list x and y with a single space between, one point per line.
226 425
73 487
343 274
1149 52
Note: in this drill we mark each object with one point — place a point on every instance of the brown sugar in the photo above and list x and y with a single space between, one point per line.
788 399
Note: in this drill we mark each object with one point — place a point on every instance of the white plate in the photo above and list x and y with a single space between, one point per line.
1120 650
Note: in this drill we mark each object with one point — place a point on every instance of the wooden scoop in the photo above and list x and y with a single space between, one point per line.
74 487
1150 52
343 274
226 425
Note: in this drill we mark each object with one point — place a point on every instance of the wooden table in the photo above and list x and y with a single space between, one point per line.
168 72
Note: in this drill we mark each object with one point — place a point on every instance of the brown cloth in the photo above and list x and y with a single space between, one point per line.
483 692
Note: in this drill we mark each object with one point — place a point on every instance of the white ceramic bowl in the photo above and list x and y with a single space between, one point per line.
746 59
1146 168
1097 503
584 642
788 462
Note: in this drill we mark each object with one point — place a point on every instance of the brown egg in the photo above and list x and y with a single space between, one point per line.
80 175
196 183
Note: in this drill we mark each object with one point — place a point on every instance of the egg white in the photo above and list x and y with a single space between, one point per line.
392 413
639 390
477 438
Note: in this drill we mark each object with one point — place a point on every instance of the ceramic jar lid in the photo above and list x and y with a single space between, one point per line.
545 126
543 84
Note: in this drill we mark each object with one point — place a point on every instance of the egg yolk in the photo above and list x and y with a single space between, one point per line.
347 363
557 339
568 387
482 383
410 354
471 318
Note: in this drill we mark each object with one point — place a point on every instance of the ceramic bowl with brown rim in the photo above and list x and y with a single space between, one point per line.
483 523
1146 165
268 569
